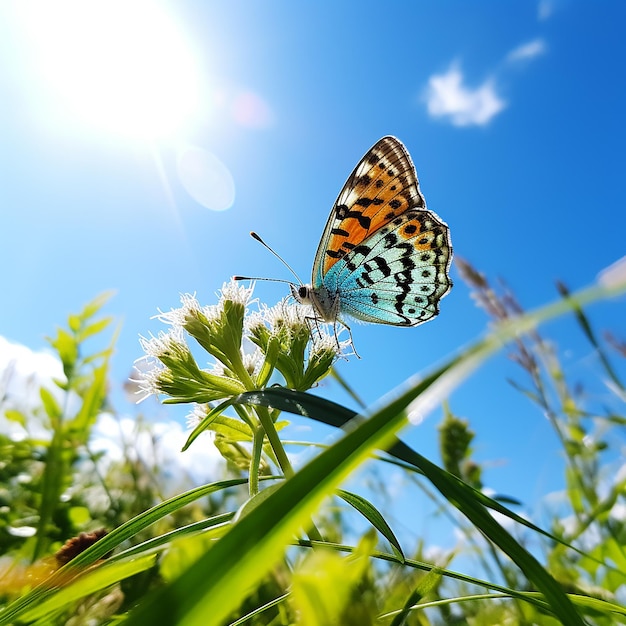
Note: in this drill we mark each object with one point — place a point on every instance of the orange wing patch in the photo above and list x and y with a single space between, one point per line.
422 232
382 187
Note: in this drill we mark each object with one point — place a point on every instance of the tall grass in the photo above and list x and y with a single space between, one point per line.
263 544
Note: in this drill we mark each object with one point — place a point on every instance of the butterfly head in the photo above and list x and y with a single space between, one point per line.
324 304
302 293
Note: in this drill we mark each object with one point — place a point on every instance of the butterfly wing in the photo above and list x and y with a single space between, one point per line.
383 254
382 186
398 274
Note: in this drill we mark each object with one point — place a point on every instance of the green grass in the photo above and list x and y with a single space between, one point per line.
263 544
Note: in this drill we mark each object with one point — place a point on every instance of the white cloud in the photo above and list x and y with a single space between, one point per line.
529 50
158 443
448 98
22 369
545 9
22 374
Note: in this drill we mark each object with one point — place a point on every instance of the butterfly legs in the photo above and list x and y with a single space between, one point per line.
356 354
314 321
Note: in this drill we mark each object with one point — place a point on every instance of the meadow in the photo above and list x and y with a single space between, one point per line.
87 543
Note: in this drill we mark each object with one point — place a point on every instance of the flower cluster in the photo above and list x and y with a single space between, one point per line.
247 348
249 351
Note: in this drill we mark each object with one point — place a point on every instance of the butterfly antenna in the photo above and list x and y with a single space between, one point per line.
272 280
280 258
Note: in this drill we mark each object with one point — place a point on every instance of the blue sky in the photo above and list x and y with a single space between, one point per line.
140 146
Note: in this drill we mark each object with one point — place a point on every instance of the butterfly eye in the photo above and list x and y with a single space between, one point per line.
303 292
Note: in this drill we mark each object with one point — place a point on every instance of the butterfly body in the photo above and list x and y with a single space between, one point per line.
383 257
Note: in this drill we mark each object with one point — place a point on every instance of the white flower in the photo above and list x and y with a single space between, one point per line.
235 291
146 377
163 343
282 315
252 361
197 414
190 308
323 341
294 318
149 369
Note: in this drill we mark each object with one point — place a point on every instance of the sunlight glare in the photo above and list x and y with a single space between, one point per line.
124 67
207 180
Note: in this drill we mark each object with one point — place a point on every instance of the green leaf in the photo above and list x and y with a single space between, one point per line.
231 429
93 399
574 492
67 349
252 503
333 414
214 524
182 553
98 550
267 369
91 308
424 587
52 483
373 515
206 422
324 585
14 415
94 329
74 322
96 580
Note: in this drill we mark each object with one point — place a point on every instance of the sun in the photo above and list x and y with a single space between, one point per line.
124 67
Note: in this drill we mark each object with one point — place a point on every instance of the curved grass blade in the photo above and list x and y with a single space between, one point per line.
209 591
77 566
94 580
372 514
333 414
587 330
211 416
163 541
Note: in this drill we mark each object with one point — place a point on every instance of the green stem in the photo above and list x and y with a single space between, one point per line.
272 436
267 425
255 461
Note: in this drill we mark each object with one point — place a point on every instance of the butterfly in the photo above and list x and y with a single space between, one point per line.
383 257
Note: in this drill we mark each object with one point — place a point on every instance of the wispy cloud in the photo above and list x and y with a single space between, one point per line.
447 97
528 50
545 9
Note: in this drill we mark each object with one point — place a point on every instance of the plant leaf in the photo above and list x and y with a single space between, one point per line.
373 515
